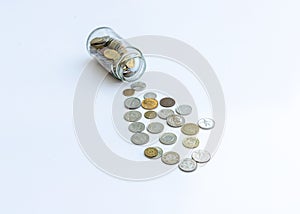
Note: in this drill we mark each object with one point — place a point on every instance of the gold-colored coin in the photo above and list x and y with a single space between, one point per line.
150 114
114 44
111 54
149 103
99 42
151 152
130 63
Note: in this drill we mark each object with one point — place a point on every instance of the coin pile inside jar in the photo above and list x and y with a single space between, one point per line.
173 118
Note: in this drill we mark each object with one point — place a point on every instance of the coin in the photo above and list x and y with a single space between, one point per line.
168 138
99 42
111 54
149 103
136 127
155 127
201 156
140 138
191 142
132 116
167 102
206 123
175 120
160 152
130 63
170 158
151 152
150 114
150 95
188 165
132 103
114 44
184 109
138 86
164 113
190 129
128 92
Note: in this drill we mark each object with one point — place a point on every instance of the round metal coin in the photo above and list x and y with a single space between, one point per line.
128 92
138 86
170 158
164 113
201 156
184 109
188 165
155 127
132 103
167 102
190 129
149 103
139 138
132 116
150 114
191 142
160 152
151 152
168 138
206 123
150 95
175 120
136 127
111 54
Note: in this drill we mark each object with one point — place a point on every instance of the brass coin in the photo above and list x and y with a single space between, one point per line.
111 54
151 152
149 103
99 42
130 63
167 102
150 114
128 92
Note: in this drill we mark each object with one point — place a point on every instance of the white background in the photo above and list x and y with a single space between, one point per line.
252 45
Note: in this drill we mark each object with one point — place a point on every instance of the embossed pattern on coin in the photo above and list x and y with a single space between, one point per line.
150 114
132 103
132 116
160 152
149 103
170 158
168 138
167 102
136 127
155 127
138 86
150 95
188 165
140 138
201 156
206 123
128 92
184 109
175 120
190 129
151 152
111 54
190 142
164 113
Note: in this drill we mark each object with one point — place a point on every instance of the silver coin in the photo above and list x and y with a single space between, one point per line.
132 103
188 165
170 158
150 95
164 113
140 138
190 129
160 152
201 156
132 116
175 120
168 138
138 86
190 142
184 109
206 123
155 127
136 127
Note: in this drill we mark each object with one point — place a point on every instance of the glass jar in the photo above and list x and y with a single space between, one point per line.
118 57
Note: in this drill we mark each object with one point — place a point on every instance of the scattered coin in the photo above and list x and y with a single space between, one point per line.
136 127
201 156
167 102
206 123
128 92
184 109
155 127
175 120
160 152
188 165
190 129
150 114
150 95
168 138
149 103
138 86
111 54
191 142
132 103
164 113
170 158
140 138
132 116
151 152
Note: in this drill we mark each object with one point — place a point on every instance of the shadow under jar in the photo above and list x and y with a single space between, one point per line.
118 57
